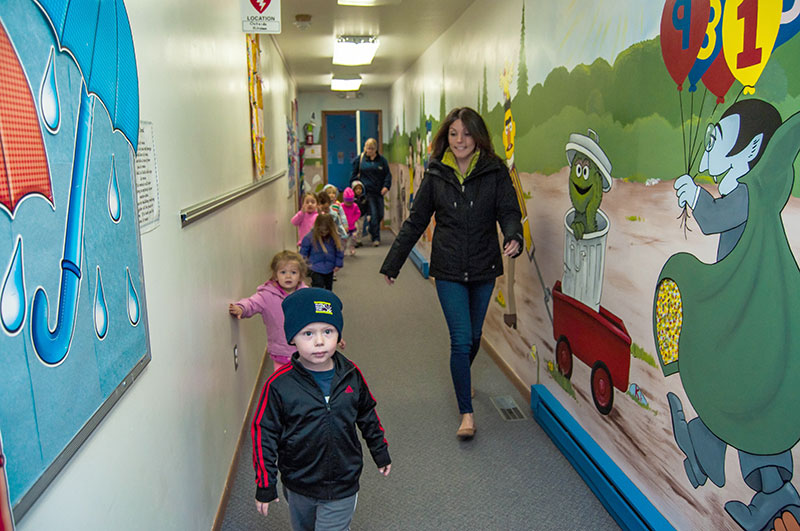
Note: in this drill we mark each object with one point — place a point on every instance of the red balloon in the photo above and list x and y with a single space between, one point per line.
718 78
683 28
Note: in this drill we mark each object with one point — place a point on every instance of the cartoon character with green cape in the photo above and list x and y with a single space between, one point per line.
732 328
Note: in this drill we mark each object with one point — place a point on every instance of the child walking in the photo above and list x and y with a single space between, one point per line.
363 206
304 425
353 214
304 219
323 250
326 207
288 271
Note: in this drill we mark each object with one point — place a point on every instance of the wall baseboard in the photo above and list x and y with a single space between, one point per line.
623 500
226 491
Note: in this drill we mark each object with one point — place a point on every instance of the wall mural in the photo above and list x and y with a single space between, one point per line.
657 177
72 314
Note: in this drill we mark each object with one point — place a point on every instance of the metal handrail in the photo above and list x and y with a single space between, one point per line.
199 210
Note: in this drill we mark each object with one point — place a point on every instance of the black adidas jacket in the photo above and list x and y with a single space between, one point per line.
315 444
465 244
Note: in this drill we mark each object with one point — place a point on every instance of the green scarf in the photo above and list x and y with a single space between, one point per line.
739 344
449 159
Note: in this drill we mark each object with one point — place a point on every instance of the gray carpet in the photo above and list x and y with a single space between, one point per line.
509 477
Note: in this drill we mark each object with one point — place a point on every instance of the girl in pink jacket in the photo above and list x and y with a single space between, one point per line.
288 271
353 213
305 217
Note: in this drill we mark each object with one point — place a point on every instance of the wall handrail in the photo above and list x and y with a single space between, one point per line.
193 213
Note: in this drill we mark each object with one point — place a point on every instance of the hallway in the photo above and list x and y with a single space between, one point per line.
510 477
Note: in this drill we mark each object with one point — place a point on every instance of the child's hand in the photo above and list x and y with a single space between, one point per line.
336 269
263 507
384 470
342 344
235 310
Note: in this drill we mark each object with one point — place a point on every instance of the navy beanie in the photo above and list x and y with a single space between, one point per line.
311 305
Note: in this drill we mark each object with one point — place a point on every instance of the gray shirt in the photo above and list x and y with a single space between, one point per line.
726 216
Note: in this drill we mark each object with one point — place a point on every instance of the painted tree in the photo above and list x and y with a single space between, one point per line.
442 102
522 76
483 107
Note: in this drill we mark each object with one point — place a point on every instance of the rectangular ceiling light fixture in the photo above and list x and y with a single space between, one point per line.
348 84
352 50
368 3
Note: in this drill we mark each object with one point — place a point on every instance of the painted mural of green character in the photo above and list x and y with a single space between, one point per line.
586 187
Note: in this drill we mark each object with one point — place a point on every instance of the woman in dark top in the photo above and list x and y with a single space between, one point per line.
469 189
372 169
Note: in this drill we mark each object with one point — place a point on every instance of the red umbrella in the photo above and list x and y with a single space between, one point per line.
23 160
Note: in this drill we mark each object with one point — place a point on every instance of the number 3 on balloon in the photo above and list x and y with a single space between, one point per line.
710 42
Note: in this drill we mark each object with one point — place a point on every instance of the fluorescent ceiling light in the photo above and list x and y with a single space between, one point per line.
367 3
354 50
346 84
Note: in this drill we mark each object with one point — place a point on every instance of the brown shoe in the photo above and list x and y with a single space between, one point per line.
466 432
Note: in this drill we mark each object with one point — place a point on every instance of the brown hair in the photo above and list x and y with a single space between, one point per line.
312 194
474 124
322 225
285 257
323 198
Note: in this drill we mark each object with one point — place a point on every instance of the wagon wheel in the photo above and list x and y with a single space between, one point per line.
564 357
602 388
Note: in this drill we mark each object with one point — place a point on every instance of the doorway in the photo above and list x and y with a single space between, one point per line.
342 141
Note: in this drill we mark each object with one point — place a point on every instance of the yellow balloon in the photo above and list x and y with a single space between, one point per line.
749 30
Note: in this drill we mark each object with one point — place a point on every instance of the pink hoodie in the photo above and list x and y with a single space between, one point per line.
304 223
267 301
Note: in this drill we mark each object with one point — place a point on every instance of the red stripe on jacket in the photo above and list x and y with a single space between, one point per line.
262 478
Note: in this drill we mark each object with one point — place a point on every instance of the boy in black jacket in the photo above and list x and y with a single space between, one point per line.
305 416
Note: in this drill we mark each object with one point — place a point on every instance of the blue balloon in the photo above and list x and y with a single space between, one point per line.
790 21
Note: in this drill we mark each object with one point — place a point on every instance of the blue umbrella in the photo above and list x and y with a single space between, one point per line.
98 36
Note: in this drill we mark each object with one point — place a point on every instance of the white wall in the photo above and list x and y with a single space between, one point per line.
160 458
318 101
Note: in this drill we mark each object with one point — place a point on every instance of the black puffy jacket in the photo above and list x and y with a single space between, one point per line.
314 443
465 244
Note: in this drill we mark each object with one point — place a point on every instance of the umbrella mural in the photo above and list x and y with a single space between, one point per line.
98 36
77 337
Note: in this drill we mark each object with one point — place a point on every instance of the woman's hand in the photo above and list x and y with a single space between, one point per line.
384 470
511 248
384 190
389 280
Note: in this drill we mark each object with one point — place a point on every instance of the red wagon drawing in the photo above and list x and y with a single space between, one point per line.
597 338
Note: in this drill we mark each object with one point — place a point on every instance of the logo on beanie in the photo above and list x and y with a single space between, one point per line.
323 307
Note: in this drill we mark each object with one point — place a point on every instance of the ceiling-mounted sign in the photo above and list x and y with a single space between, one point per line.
261 16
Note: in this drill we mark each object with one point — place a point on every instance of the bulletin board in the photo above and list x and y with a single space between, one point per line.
73 319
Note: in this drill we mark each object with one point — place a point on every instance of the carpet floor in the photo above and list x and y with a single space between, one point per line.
509 477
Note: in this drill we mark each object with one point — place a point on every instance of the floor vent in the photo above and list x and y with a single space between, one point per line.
507 408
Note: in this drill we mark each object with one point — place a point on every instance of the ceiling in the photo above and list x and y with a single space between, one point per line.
405 29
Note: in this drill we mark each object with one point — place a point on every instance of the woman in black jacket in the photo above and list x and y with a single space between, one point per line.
372 169
469 189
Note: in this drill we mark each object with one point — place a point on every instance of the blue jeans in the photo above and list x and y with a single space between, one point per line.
464 305
375 202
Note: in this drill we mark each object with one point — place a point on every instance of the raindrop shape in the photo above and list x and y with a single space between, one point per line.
133 301
12 296
48 96
113 194
100 308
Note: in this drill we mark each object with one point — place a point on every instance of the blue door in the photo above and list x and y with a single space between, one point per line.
342 143
340 134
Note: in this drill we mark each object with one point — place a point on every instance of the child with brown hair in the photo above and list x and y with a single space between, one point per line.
326 207
323 250
288 271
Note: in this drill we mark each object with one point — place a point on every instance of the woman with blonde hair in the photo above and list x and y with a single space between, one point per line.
372 170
